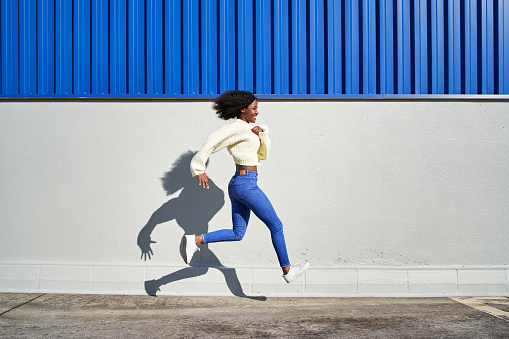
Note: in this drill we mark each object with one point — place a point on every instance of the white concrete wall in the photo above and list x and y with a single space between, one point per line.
375 194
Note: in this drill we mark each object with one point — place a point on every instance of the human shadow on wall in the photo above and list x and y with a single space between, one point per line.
192 209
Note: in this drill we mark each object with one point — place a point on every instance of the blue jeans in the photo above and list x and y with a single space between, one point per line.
246 196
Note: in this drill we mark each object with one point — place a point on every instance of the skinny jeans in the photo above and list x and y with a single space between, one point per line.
246 196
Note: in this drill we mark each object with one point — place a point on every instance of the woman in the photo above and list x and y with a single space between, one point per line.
247 146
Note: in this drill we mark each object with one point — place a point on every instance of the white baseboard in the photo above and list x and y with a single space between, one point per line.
258 281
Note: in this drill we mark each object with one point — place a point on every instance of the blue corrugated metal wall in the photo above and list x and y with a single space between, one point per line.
198 48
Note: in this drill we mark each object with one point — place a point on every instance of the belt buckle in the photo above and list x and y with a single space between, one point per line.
242 172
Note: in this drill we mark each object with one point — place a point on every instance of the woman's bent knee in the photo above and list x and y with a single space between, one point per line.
276 229
239 236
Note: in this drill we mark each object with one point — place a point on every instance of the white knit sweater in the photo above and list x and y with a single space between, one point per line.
246 147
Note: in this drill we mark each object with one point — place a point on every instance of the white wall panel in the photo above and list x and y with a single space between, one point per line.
356 184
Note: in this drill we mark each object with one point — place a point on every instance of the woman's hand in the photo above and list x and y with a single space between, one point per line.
256 130
203 180
144 243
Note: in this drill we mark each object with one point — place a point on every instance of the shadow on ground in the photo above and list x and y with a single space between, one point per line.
192 209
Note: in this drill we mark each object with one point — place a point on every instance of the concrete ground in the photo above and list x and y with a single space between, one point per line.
113 316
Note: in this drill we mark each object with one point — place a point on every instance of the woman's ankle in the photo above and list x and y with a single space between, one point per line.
198 240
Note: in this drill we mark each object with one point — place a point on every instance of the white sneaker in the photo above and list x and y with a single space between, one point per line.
295 272
188 248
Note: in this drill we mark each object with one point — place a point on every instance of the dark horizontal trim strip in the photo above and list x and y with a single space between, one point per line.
417 97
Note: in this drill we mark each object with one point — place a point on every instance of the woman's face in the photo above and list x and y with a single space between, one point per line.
249 113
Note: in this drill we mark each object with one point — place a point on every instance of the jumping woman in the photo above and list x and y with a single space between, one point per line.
248 146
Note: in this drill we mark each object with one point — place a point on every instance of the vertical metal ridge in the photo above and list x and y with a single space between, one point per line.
52 73
471 47
27 48
503 36
90 49
387 56
1 49
454 47
281 49
352 47
246 45
108 37
437 46
45 36
404 55
145 46
333 42
9 39
208 47
487 50
154 47
421 46
299 63
263 46
369 48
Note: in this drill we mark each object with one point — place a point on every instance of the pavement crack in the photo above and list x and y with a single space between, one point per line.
26 302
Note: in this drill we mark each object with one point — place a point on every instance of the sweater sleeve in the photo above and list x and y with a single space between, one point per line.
215 142
264 143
